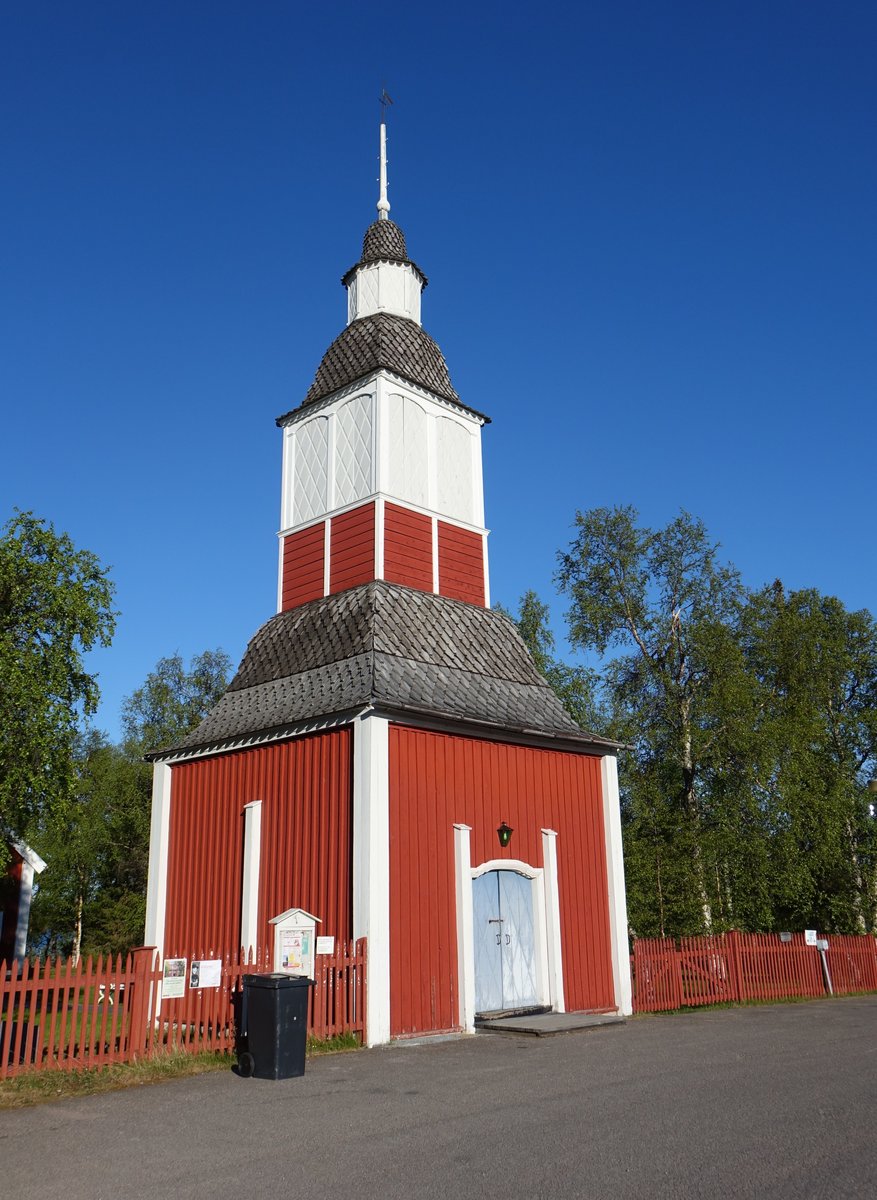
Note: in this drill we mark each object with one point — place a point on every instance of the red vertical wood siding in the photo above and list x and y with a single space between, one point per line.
305 789
461 563
352 548
407 547
439 780
303 566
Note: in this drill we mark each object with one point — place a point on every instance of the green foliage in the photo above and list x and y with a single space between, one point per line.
93 896
575 685
55 604
753 723
173 699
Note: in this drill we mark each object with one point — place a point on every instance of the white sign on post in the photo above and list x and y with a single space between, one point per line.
810 937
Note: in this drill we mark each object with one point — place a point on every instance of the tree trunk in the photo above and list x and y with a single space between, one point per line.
693 814
77 929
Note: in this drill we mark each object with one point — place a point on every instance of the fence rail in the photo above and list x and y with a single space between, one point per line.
746 966
54 1014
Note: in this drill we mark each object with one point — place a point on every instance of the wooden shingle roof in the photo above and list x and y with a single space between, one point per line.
400 650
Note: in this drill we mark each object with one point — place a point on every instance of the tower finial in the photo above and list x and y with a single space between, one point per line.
383 202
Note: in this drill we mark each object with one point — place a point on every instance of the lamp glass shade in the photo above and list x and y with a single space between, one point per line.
504 833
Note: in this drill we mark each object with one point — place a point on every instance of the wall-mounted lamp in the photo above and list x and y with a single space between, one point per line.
504 833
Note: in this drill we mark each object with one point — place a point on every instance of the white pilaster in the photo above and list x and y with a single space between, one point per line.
159 836
486 571
250 884
280 541
617 891
25 896
371 864
435 557
552 920
327 551
465 927
379 537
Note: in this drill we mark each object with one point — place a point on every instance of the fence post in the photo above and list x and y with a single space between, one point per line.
140 1014
734 959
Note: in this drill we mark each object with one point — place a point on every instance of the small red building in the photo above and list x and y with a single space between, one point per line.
385 724
16 894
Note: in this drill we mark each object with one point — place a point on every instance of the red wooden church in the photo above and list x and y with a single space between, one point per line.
386 729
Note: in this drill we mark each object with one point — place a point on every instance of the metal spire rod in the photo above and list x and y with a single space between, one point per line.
383 202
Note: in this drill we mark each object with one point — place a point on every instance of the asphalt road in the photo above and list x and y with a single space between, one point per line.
771 1102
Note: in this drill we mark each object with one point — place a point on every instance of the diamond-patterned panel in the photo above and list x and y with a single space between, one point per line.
487 929
353 450
518 940
311 470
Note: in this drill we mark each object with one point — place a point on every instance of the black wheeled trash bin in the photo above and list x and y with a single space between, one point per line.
274 1026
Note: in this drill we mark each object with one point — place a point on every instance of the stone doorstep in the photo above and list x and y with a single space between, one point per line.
548 1024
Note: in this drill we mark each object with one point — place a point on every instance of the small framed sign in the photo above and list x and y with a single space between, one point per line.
173 978
325 945
810 937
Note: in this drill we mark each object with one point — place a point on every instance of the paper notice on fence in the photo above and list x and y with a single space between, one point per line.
206 972
173 982
325 945
810 937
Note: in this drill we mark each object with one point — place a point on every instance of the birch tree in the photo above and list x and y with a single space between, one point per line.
662 609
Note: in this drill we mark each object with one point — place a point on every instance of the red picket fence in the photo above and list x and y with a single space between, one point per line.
746 966
205 1018
57 1015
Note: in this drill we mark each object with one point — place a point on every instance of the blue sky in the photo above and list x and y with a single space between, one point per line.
650 236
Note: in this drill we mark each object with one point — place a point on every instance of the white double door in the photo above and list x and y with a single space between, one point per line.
505 942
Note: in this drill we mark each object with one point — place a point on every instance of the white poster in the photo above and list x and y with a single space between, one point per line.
810 937
295 950
325 945
206 973
173 981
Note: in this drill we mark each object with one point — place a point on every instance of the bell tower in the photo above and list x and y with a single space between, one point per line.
382 474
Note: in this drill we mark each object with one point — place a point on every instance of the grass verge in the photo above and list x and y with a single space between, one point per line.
42 1087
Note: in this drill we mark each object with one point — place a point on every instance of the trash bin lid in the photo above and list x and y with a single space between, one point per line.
277 979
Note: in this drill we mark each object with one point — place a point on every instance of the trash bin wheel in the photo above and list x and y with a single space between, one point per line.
246 1064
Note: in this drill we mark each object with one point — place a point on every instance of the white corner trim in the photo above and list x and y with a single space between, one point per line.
435 558
159 836
371 865
486 572
552 920
250 884
617 891
327 554
465 927
25 896
281 544
380 518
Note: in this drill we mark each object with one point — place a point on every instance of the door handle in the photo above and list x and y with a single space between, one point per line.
499 939
508 939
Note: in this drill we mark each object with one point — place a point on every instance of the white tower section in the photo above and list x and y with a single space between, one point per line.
382 428
384 285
